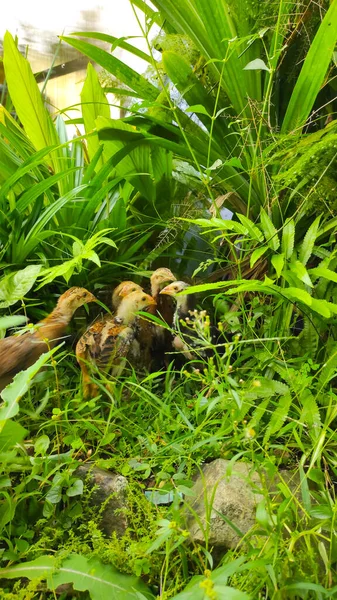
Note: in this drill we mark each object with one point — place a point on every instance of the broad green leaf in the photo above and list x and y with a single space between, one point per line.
270 232
308 243
198 109
329 368
15 286
312 73
257 254
42 444
26 97
76 489
257 64
322 307
278 263
12 394
115 66
300 271
94 104
11 434
288 238
54 494
26 167
7 510
102 581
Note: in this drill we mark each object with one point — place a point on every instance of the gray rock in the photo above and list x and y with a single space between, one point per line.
112 492
224 492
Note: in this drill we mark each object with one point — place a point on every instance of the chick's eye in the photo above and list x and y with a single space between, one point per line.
144 298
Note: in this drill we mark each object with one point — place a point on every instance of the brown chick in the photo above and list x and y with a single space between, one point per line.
94 331
108 345
20 352
161 338
159 279
184 305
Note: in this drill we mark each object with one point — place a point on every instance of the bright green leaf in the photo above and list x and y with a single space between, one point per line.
26 96
76 489
198 109
255 65
257 254
42 444
15 286
288 238
300 271
270 232
278 263
19 386
253 231
312 73
308 243
94 104
325 273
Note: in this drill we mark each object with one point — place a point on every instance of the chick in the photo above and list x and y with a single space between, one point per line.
122 290
161 337
184 306
108 346
20 352
94 331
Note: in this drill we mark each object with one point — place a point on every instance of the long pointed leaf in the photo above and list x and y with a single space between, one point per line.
313 72
26 97
115 42
94 104
115 66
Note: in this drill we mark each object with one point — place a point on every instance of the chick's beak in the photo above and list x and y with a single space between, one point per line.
167 291
152 302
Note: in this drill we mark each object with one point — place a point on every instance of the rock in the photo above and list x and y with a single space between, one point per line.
233 491
234 496
112 492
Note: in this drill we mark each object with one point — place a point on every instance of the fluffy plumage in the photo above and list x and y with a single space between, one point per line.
107 344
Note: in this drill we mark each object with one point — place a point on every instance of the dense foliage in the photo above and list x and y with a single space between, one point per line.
236 111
